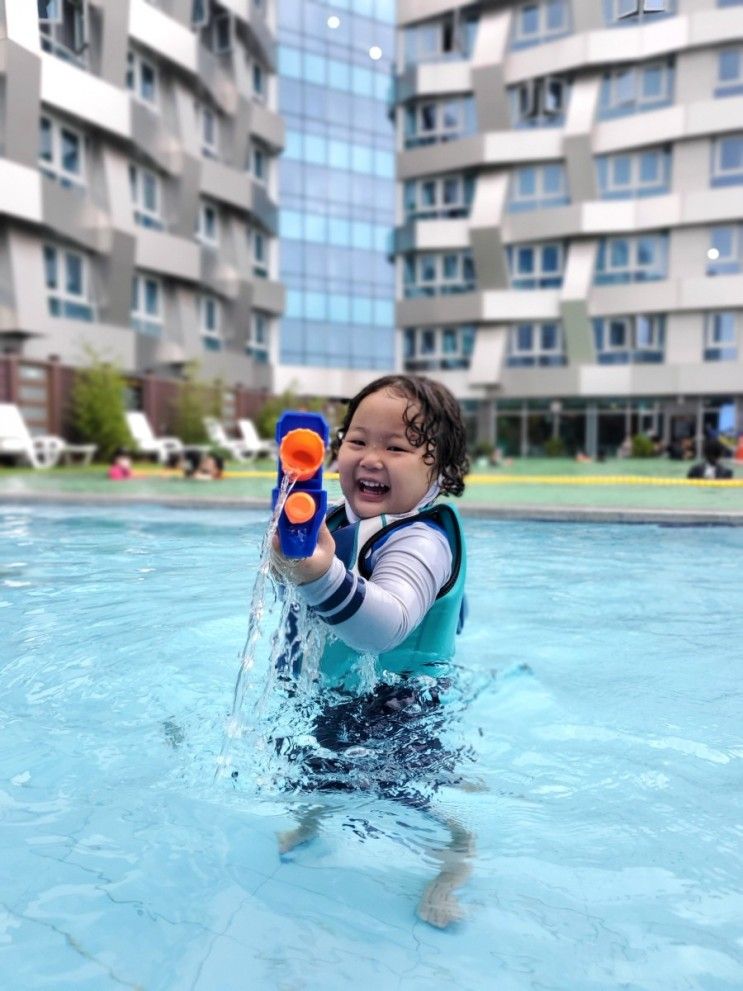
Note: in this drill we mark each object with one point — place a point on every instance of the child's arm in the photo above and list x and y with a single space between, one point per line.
378 614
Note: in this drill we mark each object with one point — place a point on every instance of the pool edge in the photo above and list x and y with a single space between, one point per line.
556 514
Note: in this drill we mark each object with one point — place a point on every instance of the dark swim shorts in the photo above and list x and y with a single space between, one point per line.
386 741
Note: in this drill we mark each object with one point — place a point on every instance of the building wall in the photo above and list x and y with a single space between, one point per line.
336 180
607 154
122 85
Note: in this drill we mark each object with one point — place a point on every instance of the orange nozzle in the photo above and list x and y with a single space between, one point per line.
300 507
301 452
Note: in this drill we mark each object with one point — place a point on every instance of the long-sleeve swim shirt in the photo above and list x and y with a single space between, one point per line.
378 613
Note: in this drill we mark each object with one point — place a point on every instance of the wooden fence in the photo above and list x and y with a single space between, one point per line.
42 390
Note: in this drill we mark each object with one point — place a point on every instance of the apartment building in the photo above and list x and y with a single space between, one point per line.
569 241
138 184
336 193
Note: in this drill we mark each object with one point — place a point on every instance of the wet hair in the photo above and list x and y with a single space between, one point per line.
433 420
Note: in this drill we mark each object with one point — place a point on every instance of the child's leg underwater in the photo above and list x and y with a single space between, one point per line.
439 906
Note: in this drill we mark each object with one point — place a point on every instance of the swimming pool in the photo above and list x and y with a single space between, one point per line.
609 841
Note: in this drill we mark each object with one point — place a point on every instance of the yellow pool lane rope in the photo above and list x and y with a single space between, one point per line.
598 480
550 479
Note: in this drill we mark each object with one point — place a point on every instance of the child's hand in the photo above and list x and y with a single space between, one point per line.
305 569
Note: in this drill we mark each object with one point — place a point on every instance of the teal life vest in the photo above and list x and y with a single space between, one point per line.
432 642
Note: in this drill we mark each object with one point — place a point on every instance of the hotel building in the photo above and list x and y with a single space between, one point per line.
138 185
569 240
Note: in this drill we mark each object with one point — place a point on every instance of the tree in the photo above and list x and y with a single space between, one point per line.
98 411
194 401
275 406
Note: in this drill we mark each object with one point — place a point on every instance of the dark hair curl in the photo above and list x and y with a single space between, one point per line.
432 420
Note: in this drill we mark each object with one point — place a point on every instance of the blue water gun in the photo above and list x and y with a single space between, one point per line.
302 440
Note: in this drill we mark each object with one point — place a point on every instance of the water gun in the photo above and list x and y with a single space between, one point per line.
302 440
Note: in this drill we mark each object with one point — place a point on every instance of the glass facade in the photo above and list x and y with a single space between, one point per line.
336 183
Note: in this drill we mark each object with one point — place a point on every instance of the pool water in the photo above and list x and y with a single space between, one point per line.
603 666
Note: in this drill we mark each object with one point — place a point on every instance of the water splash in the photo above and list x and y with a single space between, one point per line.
258 601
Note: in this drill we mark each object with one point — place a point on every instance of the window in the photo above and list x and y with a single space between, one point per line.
443 196
622 12
727 160
634 89
146 315
539 102
536 266
634 174
258 243
538 21
144 186
141 78
259 340
442 273
208 230
643 258
448 37
209 130
725 252
428 349
720 336
259 82
210 322
215 23
66 278
432 121
61 152
62 28
199 13
624 340
258 161
532 345
729 72
537 186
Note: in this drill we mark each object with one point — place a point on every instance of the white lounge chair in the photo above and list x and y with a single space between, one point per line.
40 452
218 436
256 446
147 443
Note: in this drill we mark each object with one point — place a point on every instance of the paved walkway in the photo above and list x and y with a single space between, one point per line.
630 490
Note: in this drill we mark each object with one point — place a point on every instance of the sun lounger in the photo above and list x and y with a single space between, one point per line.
41 452
216 433
147 443
256 446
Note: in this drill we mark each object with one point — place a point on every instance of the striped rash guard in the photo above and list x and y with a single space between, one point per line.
407 569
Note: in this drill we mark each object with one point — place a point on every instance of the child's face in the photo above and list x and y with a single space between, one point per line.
380 470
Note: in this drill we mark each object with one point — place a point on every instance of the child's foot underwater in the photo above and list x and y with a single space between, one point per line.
304 832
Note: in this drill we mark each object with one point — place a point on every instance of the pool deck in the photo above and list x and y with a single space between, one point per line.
626 491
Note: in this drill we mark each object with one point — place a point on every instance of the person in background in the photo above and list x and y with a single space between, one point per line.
206 467
711 468
210 468
121 467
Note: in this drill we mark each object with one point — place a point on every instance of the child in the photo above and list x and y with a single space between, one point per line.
121 467
387 578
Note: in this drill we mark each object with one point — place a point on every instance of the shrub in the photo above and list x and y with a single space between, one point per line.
273 408
194 401
642 446
554 447
98 410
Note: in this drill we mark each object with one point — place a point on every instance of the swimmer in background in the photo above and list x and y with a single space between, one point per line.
387 578
120 468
